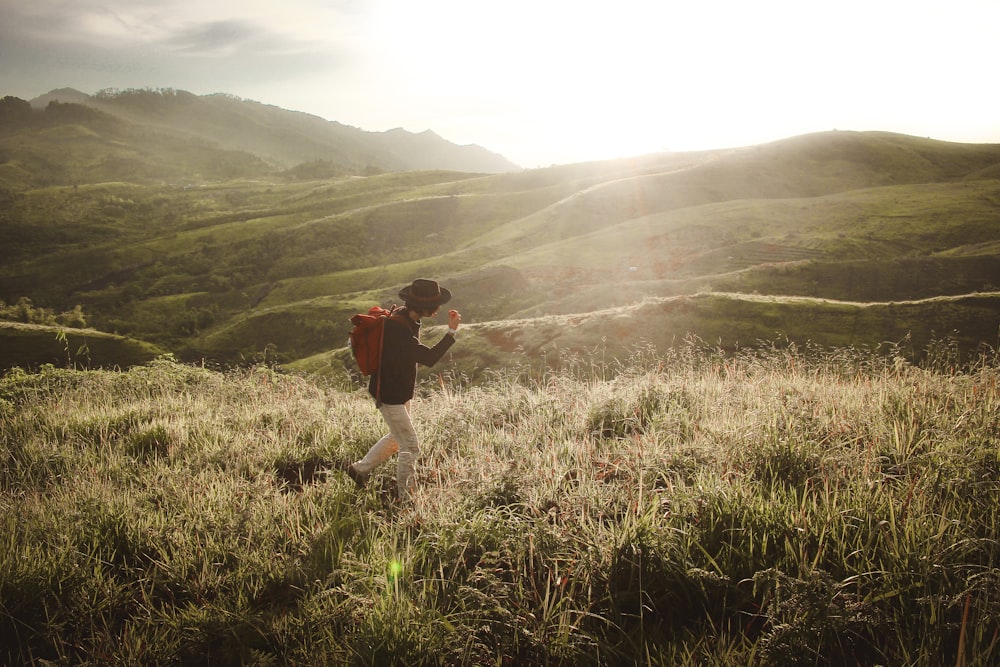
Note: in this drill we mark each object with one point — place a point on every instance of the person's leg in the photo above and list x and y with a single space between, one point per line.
402 432
378 454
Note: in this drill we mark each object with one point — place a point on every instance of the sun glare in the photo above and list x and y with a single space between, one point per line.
594 81
586 81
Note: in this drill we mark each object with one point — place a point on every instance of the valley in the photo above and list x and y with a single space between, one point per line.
233 270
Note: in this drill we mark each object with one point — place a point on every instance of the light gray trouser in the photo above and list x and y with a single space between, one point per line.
401 438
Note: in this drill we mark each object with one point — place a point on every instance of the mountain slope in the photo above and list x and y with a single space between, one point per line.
286 138
713 244
802 167
73 144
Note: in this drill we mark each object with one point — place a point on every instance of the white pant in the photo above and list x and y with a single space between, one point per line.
401 438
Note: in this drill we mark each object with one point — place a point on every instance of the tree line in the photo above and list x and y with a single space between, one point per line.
16 113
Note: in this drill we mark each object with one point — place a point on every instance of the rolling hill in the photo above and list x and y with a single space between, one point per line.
60 346
837 238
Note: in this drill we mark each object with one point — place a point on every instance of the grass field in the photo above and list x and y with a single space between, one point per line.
776 506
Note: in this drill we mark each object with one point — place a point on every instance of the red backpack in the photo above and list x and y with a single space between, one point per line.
366 337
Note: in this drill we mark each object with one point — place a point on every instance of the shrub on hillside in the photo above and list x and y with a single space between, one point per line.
26 312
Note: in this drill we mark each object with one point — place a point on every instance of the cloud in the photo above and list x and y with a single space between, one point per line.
233 36
194 45
188 26
51 24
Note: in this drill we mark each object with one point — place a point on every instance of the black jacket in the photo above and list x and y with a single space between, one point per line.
401 352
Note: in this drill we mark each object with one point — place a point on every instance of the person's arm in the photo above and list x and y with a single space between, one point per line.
428 356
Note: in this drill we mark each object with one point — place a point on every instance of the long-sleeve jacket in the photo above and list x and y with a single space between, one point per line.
401 352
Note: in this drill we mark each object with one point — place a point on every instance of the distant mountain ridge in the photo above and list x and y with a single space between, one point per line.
281 137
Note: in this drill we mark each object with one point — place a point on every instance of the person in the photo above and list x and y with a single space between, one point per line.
392 386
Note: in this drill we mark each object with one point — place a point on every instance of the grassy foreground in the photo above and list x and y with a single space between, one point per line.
777 507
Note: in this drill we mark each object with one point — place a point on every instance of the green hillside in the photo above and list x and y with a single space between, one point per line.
72 144
28 346
233 270
961 326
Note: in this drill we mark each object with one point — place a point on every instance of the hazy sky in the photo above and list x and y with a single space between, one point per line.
540 81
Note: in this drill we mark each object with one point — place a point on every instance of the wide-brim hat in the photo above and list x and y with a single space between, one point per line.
425 293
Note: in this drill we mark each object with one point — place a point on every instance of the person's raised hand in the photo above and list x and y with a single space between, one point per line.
454 319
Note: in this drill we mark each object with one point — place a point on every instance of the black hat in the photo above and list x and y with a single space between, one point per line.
425 293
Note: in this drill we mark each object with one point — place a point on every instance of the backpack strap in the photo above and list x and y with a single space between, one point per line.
378 379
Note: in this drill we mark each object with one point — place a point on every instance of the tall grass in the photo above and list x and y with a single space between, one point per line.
778 506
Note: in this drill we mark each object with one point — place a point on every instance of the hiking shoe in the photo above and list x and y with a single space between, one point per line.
360 479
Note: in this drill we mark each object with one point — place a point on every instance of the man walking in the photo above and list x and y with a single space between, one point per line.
393 384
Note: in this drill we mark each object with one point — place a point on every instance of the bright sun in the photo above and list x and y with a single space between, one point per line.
613 79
